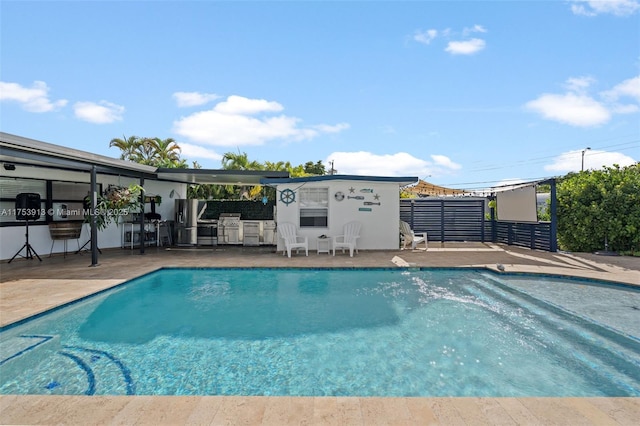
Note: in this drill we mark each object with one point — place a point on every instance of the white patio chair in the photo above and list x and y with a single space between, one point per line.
348 239
292 240
410 237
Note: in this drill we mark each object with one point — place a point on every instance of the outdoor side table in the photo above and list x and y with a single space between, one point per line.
324 245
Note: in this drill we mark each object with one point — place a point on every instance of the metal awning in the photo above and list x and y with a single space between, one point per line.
21 150
400 180
218 176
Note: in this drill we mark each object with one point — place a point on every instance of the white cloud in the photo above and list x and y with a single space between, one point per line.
458 47
241 105
474 29
628 88
189 99
326 128
240 121
570 108
33 99
624 109
425 37
194 151
571 161
577 108
467 47
598 7
365 163
444 161
579 84
102 112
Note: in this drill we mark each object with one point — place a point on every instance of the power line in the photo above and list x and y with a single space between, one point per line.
539 160
523 180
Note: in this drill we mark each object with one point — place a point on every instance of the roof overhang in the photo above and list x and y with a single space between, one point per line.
20 150
401 181
219 176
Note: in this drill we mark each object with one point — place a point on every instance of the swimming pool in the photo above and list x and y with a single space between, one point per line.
351 332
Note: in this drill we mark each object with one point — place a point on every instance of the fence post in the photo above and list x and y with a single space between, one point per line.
412 213
442 221
553 229
494 225
482 223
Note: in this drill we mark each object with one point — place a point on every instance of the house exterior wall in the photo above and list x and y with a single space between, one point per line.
13 237
379 225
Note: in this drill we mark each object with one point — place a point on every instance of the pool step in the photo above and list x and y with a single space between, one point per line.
22 349
630 343
596 345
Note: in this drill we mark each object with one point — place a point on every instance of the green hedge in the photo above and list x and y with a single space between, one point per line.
597 206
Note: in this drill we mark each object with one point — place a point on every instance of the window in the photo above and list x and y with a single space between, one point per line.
59 200
314 207
9 190
68 200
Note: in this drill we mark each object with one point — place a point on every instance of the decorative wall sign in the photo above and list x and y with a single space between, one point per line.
376 197
339 196
352 190
364 209
287 196
357 197
369 190
371 203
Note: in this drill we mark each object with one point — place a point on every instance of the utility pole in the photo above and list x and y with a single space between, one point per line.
583 151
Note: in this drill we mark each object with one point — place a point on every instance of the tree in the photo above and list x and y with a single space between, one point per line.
150 151
128 147
314 169
600 209
239 161
166 153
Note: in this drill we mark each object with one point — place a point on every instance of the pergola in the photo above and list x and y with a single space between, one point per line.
426 189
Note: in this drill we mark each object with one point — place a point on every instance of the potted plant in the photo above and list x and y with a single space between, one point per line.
115 202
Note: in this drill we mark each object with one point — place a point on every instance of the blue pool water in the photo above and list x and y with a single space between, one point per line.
307 332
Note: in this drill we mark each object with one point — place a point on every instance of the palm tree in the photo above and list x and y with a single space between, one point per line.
280 166
167 150
128 147
239 161
146 152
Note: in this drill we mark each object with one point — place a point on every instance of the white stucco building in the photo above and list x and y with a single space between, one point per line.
322 205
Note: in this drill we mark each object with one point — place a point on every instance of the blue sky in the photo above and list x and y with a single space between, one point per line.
466 94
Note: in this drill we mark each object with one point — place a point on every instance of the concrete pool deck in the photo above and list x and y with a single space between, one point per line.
28 287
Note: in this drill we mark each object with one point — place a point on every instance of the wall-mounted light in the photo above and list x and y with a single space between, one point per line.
8 166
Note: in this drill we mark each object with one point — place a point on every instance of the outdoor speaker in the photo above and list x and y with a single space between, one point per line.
28 206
